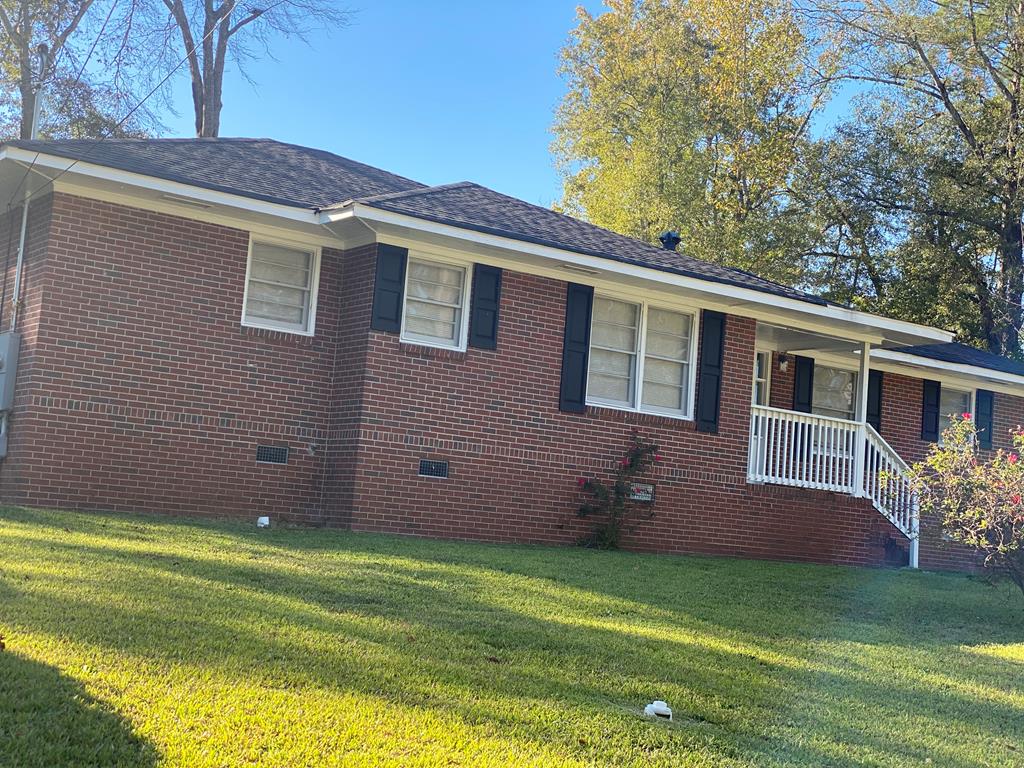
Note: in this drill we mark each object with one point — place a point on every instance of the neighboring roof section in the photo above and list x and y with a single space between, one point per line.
471 206
262 169
961 354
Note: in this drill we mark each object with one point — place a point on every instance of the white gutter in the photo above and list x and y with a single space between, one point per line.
830 312
959 369
367 213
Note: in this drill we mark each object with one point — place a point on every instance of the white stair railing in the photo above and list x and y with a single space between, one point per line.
887 483
824 453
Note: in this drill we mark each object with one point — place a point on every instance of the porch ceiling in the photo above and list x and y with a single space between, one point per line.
798 342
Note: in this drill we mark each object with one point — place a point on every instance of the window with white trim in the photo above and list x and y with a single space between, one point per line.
953 403
435 303
834 392
762 378
640 357
280 290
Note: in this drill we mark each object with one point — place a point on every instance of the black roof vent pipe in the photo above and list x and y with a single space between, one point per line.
669 240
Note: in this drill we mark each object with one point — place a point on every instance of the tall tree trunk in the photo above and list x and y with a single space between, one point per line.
1011 253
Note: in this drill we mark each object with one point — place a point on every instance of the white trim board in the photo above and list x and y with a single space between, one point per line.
872 324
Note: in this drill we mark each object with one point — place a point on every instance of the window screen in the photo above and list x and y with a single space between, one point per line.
279 293
434 303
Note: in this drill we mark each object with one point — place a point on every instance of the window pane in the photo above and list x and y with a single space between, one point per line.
663 372
264 270
280 285
433 302
277 312
613 337
613 342
618 363
833 392
430 329
431 311
617 312
279 254
277 293
611 388
952 403
674 323
674 347
762 364
663 396
667 351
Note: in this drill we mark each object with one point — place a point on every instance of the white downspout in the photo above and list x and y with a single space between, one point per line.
20 263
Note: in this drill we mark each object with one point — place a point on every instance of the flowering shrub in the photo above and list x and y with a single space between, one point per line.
610 502
977 503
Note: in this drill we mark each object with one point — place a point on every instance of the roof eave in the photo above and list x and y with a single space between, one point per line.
962 369
371 215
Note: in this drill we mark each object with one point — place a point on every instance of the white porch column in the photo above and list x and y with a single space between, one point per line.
861 414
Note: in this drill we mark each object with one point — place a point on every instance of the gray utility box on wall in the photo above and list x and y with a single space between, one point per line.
10 343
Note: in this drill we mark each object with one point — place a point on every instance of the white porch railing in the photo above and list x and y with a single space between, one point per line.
809 451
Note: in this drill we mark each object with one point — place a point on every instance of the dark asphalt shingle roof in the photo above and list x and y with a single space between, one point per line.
954 352
471 206
262 169
287 174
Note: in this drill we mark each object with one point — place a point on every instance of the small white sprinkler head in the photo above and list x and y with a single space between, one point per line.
263 522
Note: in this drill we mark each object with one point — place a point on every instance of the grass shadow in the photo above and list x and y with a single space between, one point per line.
48 719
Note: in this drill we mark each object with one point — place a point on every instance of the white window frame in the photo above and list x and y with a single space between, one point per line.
767 378
638 372
971 397
839 366
467 278
314 288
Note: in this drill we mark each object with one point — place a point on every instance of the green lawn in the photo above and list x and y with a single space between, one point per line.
143 641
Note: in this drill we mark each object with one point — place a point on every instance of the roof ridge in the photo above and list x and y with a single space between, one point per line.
425 190
400 194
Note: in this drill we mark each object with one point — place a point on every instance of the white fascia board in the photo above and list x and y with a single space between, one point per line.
960 370
40 160
736 293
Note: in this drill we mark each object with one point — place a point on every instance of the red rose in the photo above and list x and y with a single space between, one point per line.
657 457
967 416
1015 499
625 462
581 481
1013 458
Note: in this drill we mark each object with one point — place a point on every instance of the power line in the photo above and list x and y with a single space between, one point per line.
124 119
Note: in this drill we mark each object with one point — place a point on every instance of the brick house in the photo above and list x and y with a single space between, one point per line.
238 327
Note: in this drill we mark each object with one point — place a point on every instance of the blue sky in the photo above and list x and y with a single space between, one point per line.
437 91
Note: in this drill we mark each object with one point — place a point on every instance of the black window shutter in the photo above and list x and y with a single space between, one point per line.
579 304
930 411
483 311
388 287
709 375
803 384
983 408
874 414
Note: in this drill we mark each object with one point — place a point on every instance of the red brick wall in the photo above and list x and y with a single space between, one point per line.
901 428
145 393
515 457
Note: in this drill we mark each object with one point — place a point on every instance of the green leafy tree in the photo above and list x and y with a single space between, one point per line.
978 503
690 116
933 157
